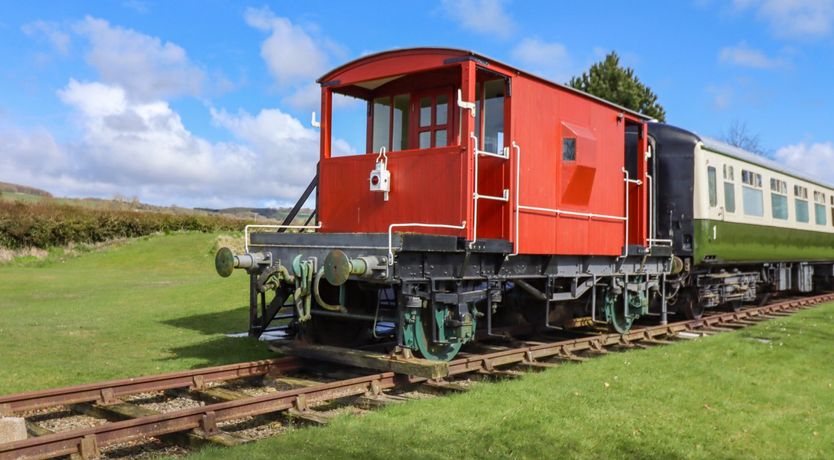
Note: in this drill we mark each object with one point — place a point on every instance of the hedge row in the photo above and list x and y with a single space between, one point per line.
44 225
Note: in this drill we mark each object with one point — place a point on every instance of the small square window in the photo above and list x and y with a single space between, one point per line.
569 149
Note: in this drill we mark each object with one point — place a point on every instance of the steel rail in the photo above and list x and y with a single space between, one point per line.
87 442
565 348
113 389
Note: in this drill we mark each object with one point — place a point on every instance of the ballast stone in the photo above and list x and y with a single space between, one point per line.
12 429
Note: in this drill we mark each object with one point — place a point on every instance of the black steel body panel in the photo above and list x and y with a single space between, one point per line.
419 257
675 185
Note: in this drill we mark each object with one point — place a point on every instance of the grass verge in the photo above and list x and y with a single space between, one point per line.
764 392
146 306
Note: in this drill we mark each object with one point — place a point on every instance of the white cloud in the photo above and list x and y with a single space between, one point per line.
50 31
546 58
721 96
144 149
486 17
793 18
743 56
144 66
290 52
815 159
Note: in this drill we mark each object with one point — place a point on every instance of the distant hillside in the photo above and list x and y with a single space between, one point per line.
31 195
6 187
261 213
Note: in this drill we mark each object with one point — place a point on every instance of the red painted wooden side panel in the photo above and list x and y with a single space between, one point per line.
591 184
426 187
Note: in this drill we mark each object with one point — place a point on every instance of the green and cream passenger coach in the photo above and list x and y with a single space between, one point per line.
741 225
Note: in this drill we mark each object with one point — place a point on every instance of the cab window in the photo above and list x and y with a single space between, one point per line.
390 123
489 115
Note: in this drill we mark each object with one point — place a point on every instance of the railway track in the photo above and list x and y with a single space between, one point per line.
282 389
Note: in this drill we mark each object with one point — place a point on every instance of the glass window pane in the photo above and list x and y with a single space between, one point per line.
442 110
752 198
493 116
713 192
382 117
440 138
779 203
425 111
730 197
400 134
425 139
801 211
819 214
569 149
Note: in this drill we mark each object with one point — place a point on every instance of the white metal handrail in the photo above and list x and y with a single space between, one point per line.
516 241
276 227
414 224
572 213
627 181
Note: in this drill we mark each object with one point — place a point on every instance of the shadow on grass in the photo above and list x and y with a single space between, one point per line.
220 349
221 322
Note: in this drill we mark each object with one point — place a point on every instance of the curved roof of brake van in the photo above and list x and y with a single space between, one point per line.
458 55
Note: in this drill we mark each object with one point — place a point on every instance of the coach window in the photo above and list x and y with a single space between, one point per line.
713 193
801 203
729 189
751 193
819 208
489 115
831 197
779 198
390 123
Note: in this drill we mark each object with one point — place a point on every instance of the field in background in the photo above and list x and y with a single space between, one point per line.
32 220
20 193
154 304
145 306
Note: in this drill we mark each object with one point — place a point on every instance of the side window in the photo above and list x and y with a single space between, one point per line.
751 191
729 189
831 197
489 115
819 208
569 149
390 123
433 121
801 203
713 193
779 198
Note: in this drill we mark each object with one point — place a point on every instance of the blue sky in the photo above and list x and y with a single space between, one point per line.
207 103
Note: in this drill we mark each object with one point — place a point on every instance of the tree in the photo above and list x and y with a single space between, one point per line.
739 136
610 81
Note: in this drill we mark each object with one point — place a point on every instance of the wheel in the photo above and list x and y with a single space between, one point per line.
735 305
688 305
434 351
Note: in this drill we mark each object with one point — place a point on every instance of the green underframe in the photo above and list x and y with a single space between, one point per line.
759 243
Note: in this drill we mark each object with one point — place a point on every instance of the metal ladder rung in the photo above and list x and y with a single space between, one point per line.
505 155
505 197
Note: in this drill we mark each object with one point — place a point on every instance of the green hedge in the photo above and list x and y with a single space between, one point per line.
44 225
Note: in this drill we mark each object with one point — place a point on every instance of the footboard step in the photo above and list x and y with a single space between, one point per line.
370 360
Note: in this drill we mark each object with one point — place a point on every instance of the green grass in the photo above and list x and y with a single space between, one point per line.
727 396
150 305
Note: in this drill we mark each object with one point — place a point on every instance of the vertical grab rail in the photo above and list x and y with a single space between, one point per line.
516 241
475 188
